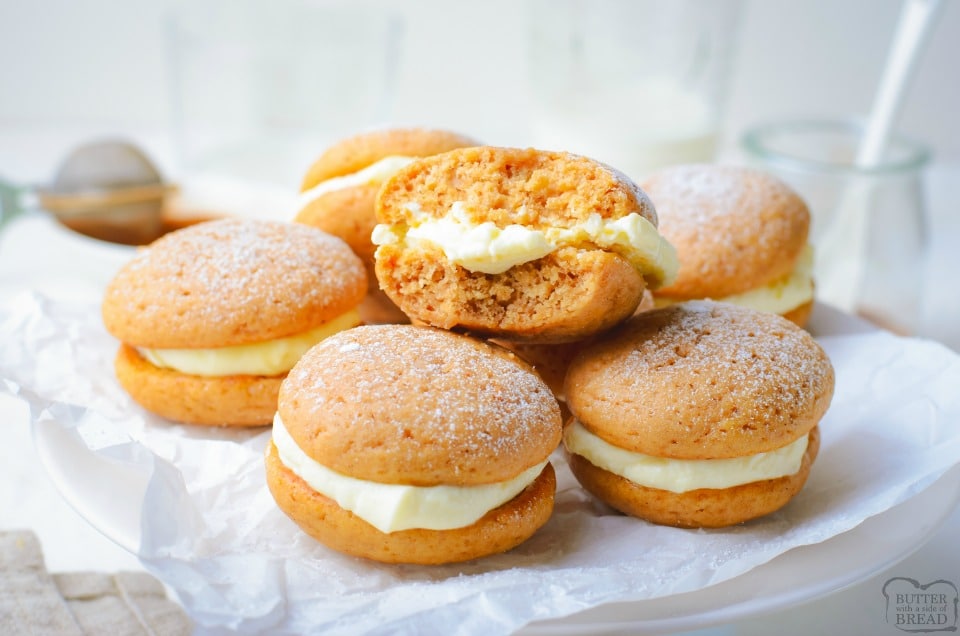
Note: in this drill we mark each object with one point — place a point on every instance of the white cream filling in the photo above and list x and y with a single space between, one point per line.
272 357
393 507
782 295
485 247
376 172
683 475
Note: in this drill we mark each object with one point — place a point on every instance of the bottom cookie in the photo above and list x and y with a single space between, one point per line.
703 508
499 530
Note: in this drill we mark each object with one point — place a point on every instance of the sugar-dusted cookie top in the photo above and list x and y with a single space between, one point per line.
354 153
734 228
418 406
230 282
701 380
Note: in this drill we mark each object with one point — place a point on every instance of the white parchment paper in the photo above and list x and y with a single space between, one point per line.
210 530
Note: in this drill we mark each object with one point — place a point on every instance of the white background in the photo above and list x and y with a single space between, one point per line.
104 66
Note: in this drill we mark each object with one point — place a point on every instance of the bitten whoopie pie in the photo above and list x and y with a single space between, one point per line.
517 244
740 235
701 414
212 317
409 444
339 189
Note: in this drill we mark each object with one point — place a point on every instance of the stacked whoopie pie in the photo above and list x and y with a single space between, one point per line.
740 235
340 188
701 414
414 443
430 443
213 316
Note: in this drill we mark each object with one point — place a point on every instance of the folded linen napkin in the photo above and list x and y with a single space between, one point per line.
35 602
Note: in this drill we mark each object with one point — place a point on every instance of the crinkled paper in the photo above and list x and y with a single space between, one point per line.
210 530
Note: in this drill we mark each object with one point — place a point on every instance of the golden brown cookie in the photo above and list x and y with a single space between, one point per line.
800 315
427 410
695 388
339 189
550 361
740 235
501 529
237 400
517 244
212 316
700 508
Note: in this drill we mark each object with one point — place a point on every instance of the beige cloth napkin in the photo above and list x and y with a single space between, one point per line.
34 602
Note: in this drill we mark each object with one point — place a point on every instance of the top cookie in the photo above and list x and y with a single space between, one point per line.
355 153
701 380
418 406
232 282
554 189
734 228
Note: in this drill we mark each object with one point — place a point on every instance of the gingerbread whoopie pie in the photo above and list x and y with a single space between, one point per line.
410 444
517 244
700 414
741 238
213 316
339 189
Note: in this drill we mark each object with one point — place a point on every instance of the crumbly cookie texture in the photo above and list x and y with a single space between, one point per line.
562 297
566 295
734 228
231 282
556 189
348 214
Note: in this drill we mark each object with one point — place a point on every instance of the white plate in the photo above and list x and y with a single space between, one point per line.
799 575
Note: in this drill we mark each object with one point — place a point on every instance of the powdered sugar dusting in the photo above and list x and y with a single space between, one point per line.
647 208
734 228
238 279
715 376
418 403
696 195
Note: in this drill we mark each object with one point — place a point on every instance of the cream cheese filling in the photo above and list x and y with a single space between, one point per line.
485 247
393 507
272 357
683 475
376 172
782 295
